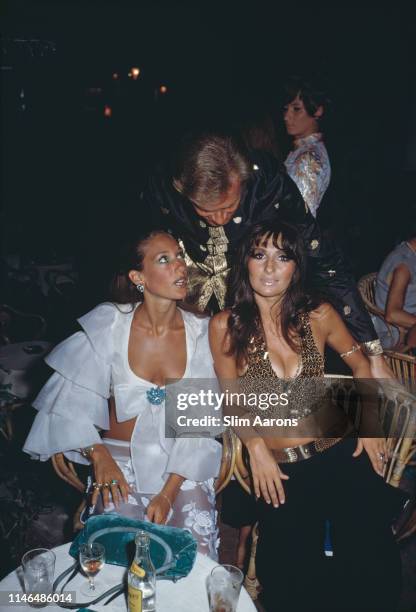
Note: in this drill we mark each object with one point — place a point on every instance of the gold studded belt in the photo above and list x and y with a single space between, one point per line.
304 451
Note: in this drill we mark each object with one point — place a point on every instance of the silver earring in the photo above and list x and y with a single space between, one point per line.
140 287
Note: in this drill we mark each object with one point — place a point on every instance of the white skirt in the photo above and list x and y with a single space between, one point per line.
193 509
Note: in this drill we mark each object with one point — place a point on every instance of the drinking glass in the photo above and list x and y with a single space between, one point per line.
92 559
224 586
38 570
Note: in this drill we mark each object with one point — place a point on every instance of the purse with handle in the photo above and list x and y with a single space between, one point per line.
172 550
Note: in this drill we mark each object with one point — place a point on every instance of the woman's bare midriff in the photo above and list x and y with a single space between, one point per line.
119 431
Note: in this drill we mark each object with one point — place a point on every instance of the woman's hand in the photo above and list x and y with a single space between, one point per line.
108 478
267 476
376 449
158 509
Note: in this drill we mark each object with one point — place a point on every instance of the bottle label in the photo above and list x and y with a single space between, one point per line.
137 570
135 597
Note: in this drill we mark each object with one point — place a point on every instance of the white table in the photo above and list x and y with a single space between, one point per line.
187 595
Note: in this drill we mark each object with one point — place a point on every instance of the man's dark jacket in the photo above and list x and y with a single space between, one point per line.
268 194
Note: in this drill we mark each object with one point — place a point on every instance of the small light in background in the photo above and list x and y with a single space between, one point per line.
163 89
108 111
115 76
134 73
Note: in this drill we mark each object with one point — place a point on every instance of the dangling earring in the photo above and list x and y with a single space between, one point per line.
140 287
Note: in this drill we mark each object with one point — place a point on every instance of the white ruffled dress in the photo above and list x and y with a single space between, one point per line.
92 365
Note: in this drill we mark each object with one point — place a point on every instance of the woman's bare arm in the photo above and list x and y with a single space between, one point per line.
335 333
395 312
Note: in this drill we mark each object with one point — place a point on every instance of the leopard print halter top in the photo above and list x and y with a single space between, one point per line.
305 389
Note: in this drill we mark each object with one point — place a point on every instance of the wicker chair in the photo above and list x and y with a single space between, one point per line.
404 368
65 469
398 415
366 287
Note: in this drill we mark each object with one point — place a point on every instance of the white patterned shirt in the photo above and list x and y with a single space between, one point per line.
308 166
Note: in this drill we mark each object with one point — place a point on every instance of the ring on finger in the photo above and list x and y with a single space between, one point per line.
97 486
106 485
113 482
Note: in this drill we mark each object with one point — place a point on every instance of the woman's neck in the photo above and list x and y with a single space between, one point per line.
156 315
297 140
269 311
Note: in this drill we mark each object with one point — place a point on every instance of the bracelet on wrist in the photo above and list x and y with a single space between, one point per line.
87 451
167 499
373 348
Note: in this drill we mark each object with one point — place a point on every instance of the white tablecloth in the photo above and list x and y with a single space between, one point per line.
187 595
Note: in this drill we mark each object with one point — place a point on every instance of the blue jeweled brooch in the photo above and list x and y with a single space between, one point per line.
156 395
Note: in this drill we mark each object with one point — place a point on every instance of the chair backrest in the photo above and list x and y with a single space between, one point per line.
404 368
366 287
65 470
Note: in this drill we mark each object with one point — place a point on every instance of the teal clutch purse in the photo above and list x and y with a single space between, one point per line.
172 550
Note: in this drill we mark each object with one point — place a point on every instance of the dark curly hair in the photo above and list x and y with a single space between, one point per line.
244 321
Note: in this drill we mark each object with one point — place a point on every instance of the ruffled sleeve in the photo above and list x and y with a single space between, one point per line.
73 404
195 459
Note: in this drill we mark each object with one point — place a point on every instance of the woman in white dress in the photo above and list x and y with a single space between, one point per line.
104 405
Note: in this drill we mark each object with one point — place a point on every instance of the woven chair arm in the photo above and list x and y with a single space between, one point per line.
65 470
227 462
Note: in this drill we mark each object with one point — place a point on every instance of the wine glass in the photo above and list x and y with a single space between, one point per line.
92 559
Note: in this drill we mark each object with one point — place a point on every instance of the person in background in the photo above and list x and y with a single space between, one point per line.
105 403
308 162
396 294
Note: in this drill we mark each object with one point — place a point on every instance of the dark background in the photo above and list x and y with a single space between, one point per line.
71 176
